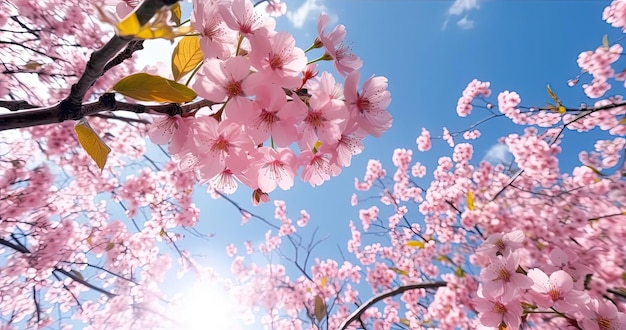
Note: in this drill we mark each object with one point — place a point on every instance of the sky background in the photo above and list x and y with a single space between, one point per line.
429 51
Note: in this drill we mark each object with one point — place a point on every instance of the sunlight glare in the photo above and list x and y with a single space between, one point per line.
206 306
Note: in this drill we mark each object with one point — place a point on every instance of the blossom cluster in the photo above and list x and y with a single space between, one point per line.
270 98
509 292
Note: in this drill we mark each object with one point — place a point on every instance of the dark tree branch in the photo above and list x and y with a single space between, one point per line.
107 102
85 283
401 289
24 250
127 53
70 108
16 105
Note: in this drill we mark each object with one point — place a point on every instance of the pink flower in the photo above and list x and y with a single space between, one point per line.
275 8
217 39
555 291
241 16
225 80
493 312
326 118
271 115
173 130
501 243
602 315
350 144
277 60
274 168
212 145
369 108
345 61
500 278
423 141
317 167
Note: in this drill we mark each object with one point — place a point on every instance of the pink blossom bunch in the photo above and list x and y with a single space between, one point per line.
269 100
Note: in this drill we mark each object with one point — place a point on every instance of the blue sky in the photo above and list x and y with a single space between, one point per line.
429 51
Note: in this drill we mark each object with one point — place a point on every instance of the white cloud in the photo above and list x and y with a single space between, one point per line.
499 154
310 9
460 8
465 23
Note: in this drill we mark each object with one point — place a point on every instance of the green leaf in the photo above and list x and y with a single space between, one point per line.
415 244
92 143
320 308
186 56
470 200
146 87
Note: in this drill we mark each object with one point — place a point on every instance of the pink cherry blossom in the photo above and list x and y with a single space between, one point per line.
602 315
494 311
277 60
241 16
274 168
555 291
501 278
369 107
345 62
217 39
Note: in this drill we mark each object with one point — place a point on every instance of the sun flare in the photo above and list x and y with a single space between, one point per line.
206 306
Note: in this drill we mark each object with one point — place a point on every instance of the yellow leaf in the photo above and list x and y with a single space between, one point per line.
415 244
470 200
109 246
459 272
146 87
320 308
162 232
32 65
129 26
176 13
186 56
92 143
399 271
605 41
89 240
323 281
622 121
405 321
158 27
552 95
317 146
561 109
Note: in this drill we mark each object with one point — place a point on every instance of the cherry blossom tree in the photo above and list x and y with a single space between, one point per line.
477 245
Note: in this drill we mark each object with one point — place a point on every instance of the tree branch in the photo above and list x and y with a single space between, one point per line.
23 249
401 289
70 108
107 102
